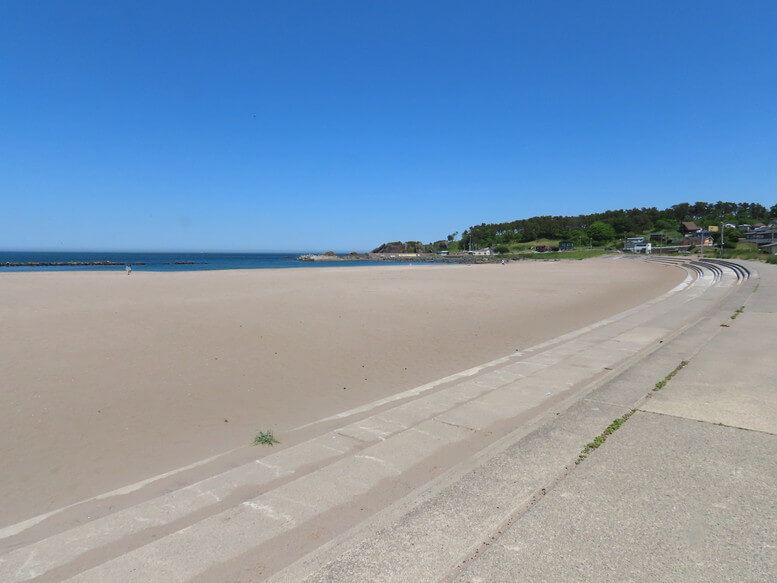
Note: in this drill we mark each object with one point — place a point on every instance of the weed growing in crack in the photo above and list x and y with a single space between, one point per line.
601 438
615 425
662 383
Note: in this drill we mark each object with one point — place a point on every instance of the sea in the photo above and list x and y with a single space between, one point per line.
146 261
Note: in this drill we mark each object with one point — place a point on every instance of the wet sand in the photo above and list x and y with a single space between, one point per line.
108 379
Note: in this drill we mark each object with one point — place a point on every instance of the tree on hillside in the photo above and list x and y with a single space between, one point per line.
666 225
758 211
620 224
698 210
680 212
578 237
730 237
600 232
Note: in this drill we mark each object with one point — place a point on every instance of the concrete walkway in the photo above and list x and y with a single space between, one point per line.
683 490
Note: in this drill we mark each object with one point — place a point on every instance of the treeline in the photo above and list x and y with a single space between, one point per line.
612 224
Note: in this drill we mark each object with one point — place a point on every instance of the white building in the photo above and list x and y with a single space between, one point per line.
637 247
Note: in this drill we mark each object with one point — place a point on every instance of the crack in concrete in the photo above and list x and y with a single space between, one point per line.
455 425
719 423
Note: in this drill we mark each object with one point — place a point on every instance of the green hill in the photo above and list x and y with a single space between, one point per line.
604 229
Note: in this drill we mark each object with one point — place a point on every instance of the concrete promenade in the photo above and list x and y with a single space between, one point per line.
682 490
685 490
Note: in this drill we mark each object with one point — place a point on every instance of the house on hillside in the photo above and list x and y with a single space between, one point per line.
643 247
637 245
701 240
688 228
646 248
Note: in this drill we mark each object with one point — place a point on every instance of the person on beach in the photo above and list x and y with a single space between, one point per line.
128 269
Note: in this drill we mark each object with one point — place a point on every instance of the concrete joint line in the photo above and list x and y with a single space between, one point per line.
456 425
502 527
601 402
720 424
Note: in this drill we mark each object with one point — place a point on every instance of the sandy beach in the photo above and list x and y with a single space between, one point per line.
108 379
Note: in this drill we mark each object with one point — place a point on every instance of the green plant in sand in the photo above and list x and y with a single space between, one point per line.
265 438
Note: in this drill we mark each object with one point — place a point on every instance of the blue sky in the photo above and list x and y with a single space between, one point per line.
314 125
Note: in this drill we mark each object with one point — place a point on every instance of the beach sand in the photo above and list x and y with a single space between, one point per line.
108 379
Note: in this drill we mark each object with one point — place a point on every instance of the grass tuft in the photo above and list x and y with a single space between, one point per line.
265 438
739 311
600 439
661 384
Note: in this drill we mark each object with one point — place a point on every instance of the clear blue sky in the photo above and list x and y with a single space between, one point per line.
290 125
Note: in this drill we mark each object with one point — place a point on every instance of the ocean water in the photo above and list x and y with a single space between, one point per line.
145 261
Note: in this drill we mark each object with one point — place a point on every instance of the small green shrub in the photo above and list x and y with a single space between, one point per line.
265 438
